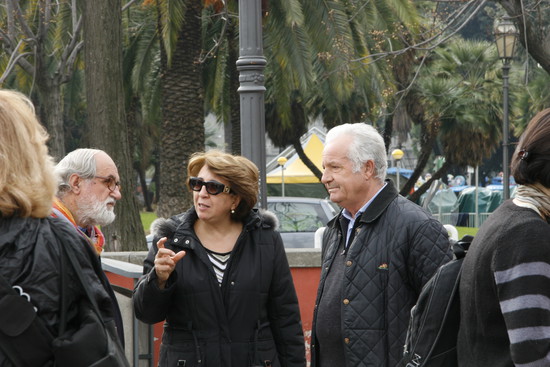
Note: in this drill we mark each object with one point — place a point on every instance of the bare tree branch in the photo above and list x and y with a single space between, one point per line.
224 15
6 39
24 26
428 44
71 62
69 53
128 4
14 59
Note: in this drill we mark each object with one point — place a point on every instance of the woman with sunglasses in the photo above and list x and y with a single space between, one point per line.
219 277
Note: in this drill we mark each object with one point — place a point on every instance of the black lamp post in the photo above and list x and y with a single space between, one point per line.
251 65
506 36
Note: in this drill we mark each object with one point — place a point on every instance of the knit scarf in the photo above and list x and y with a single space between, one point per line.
95 238
536 195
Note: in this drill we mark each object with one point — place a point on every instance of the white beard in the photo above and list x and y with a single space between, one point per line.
92 212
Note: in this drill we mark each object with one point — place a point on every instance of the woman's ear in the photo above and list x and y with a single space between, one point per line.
236 202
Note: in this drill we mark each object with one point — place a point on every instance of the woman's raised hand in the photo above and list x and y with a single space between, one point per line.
165 262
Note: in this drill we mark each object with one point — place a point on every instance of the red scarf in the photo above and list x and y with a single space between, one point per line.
95 238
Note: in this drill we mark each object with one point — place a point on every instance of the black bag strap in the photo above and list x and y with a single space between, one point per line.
66 252
5 340
63 304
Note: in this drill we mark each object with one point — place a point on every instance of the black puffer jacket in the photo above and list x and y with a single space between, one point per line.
252 318
396 248
30 258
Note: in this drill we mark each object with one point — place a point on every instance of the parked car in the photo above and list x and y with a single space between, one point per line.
299 218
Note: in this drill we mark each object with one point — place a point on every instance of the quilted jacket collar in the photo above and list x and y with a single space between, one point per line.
376 208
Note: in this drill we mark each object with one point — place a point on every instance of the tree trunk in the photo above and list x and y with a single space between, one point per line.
429 132
183 114
106 117
144 190
415 196
403 71
51 113
305 159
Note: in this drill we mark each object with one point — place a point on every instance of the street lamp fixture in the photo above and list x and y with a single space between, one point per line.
282 161
397 155
506 37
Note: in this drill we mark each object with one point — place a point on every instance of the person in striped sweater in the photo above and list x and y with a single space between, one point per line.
505 282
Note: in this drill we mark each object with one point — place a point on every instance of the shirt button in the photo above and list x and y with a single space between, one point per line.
232 283
346 301
349 263
187 242
346 340
176 240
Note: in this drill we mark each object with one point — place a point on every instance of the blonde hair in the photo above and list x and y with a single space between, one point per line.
27 181
241 174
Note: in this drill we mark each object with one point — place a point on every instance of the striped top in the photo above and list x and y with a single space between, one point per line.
505 292
219 263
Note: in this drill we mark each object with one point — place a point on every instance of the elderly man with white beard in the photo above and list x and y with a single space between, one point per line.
87 191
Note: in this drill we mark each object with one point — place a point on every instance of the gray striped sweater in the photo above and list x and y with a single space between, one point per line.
505 292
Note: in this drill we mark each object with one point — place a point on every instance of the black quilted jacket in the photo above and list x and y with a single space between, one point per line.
396 248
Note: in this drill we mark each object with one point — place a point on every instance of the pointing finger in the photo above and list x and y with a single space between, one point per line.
177 257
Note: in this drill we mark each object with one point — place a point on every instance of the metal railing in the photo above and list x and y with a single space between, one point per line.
142 334
473 220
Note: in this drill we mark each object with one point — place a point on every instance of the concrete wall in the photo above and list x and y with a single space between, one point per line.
143 341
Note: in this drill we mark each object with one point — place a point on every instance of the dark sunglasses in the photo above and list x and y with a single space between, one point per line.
110 182
212 187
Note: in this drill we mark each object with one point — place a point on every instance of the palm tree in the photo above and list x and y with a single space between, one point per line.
106 114
462 103
529 100
142 89
182 100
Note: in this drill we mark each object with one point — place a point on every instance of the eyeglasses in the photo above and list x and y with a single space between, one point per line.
110 182
212 187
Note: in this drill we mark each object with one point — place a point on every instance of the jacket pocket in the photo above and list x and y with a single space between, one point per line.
265 354
181 355
367 348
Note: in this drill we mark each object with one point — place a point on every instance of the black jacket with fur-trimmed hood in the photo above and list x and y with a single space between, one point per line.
252 319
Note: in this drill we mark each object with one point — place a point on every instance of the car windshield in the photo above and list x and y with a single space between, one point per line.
299 217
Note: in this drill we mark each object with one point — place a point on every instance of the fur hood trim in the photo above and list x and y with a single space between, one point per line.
162 227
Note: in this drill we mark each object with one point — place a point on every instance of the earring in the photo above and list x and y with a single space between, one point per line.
232 211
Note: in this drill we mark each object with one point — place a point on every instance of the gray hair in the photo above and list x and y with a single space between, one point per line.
367 145
80 161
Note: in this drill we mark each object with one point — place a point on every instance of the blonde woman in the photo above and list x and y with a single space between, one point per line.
30 241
